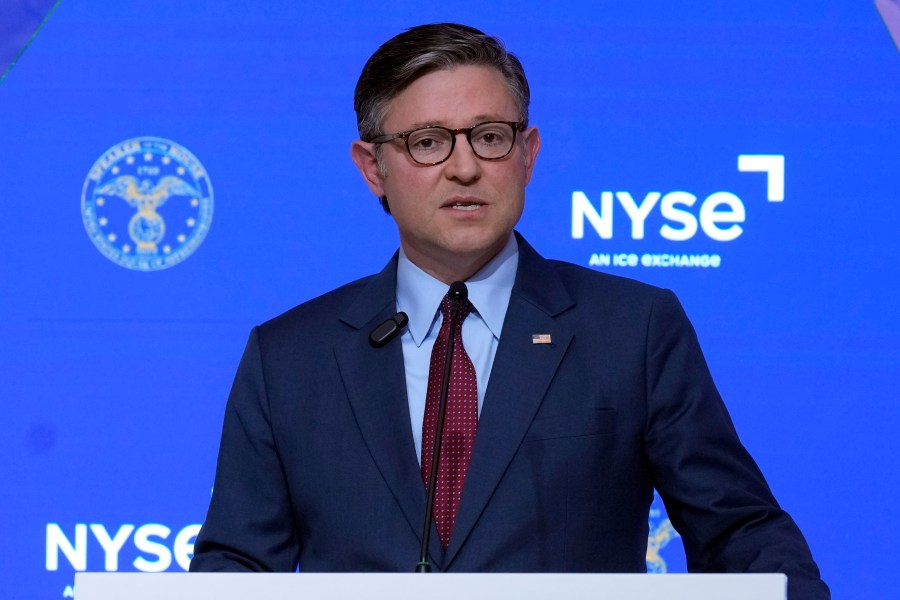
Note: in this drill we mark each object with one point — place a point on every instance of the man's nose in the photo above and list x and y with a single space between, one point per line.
463 164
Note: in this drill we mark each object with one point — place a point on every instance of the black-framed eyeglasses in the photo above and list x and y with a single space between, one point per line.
433 145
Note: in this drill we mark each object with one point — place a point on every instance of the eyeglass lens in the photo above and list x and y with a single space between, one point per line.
434 144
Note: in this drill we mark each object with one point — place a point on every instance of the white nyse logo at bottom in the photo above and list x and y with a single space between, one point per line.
719 216
156 545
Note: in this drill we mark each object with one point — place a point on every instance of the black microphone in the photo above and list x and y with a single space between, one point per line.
458 294
458 291
388 330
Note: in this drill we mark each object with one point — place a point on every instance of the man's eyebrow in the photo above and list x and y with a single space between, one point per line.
421 124
483 118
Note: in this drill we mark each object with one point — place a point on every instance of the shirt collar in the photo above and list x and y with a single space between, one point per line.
419 294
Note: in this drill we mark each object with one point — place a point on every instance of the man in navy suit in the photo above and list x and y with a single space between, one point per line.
591 389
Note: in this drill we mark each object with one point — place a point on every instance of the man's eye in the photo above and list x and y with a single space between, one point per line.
491 137
426 142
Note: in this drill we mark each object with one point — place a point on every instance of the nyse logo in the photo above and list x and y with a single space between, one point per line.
719 216
154 543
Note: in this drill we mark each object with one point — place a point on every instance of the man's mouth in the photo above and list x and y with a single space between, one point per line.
464 204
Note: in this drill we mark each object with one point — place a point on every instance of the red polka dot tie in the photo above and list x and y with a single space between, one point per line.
460 422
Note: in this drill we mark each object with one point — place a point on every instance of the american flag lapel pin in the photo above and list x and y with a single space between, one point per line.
541 338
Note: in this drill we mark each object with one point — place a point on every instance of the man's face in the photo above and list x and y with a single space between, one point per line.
452 217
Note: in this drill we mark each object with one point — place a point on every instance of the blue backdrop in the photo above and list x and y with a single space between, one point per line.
113 379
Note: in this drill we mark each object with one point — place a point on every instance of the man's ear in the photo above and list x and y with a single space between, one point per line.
363 155
532 147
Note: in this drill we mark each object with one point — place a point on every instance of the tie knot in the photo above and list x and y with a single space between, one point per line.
465 307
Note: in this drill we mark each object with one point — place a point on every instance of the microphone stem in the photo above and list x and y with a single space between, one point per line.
424 566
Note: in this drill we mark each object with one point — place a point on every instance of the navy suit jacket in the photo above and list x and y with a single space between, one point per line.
317 465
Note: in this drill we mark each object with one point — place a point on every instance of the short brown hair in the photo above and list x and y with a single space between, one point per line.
425 49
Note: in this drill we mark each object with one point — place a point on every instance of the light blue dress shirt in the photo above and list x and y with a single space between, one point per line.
419 295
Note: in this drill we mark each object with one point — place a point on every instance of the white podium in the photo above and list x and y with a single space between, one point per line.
436 586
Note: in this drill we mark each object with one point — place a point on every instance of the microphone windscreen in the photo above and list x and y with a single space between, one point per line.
458 291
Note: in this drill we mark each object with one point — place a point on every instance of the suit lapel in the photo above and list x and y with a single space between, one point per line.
520 376
375 383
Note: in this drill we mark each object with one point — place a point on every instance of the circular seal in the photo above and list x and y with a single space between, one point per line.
147 204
